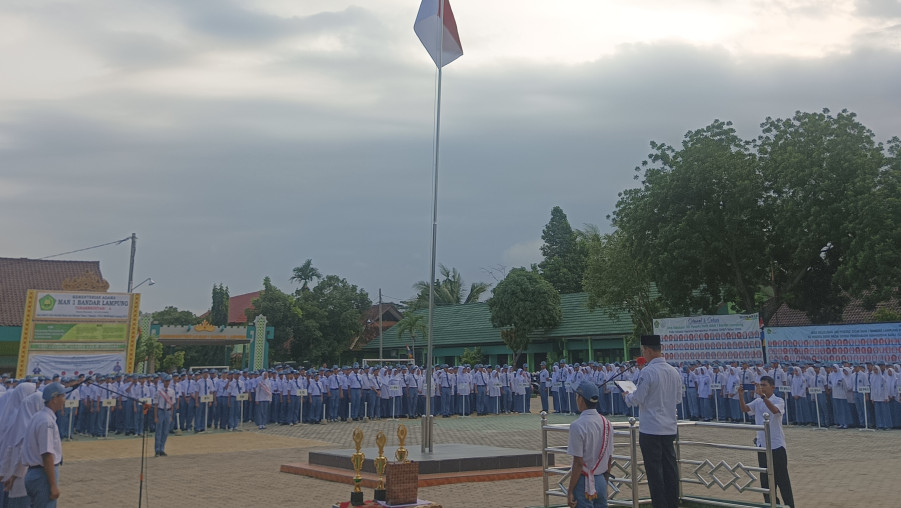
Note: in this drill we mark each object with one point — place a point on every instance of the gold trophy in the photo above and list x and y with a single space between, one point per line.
380 462
401 453
356 497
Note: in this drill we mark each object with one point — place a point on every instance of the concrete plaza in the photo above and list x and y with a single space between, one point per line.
829 468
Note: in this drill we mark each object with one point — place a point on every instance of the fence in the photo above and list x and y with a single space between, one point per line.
627 468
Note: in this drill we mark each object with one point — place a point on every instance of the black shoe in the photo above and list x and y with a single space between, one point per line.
164 454
156 454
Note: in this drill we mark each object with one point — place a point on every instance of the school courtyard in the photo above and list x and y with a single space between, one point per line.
829 468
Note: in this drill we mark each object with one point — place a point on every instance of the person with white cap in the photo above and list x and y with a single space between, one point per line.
42 450
591 446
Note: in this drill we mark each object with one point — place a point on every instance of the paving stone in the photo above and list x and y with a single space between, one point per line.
829 468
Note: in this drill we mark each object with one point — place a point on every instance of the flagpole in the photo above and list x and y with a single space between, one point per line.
427 442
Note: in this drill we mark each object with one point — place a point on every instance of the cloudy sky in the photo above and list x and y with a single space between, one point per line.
239 138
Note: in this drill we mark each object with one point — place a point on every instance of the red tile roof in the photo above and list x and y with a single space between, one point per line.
18 275
236 307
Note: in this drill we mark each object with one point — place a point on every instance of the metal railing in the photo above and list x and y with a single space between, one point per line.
741 477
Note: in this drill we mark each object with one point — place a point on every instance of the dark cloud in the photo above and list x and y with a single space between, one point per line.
233 188
882 9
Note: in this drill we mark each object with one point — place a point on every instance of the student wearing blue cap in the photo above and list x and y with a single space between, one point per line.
591 446
165 403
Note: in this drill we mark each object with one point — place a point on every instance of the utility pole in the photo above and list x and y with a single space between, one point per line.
131 265
380 326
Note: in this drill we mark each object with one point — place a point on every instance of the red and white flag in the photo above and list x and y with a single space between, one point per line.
429 27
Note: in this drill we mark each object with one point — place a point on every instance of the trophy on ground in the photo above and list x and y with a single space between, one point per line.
356 497
380 463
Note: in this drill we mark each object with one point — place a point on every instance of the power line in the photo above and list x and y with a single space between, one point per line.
117 242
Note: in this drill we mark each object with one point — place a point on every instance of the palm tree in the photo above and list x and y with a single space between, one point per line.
305 274
413 324
448 291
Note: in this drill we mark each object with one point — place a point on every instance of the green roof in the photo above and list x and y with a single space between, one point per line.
470 324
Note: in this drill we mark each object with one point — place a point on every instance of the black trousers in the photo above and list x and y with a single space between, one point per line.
661 469
780 471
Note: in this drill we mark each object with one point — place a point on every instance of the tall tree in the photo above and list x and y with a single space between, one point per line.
522 303
618 281
449 290
564 255
803 213
219 309
823 194
305 274
696 220
333 316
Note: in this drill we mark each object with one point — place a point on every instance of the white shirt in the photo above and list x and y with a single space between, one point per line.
658 391
42 437
758 408
161 398
586 440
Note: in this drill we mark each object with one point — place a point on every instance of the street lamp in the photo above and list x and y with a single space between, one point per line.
148 280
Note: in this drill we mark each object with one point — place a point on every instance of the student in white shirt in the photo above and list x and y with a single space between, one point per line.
775 406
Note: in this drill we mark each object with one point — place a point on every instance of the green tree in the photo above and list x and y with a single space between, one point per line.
872 266
192 355
283 314
219 309
148 350
564 255
305 274
792 213
449 290
472 356
696 220
174 361
333 316
618 281
173 317
522 303
886 315
823 176
415 325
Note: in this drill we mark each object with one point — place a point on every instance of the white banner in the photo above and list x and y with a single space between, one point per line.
835 343
723 338
73 365
51 305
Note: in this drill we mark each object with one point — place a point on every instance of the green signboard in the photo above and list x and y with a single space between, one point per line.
80 332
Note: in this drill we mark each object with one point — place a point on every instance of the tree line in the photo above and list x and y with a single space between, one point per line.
805 214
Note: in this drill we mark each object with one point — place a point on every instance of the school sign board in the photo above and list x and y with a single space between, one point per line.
721 337
78 332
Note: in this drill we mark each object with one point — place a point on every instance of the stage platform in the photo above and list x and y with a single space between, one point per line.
449 463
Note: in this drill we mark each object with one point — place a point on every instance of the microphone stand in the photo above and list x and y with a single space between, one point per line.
632 363
145 408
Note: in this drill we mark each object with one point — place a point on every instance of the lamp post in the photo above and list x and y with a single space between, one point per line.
148 280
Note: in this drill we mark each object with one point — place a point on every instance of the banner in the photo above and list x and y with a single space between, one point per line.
70 365
711 338
72 331
835 343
